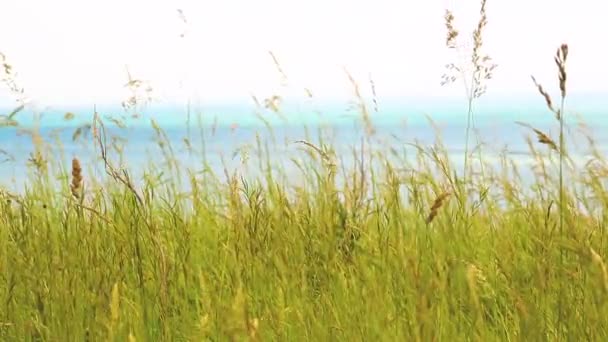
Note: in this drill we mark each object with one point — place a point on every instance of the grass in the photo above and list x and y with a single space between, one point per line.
385 254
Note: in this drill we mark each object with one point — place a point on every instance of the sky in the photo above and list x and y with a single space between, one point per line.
77 52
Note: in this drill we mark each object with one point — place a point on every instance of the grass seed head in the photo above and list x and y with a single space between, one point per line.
542 91
452 33
437 204
560 59
541 137
546 140
76 185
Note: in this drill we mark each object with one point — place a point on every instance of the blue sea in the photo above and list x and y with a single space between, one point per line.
223 136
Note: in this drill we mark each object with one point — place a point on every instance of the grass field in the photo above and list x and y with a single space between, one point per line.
408 251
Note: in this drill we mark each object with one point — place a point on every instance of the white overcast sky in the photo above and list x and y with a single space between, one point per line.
75 51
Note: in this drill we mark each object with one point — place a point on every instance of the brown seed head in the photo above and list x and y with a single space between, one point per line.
560 59
564 49
438 203
542 91
545 139
542 137
452 32
76 185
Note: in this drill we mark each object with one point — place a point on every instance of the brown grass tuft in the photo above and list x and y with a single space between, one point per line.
76 185
437 204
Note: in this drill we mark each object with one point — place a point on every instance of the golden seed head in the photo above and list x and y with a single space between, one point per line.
76 185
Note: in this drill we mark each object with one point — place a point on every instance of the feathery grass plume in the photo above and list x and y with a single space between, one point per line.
121 177
482 66
328 160
544 139
374 95
437 204
38 161
560 59
273 103
452 33
362 107
474 73
76 185
541 137
136 97
544 93
9 119
9 78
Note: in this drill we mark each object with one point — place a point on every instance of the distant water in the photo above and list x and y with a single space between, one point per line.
229 128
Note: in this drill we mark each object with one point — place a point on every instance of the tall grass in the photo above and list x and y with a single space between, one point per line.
372 248
474 71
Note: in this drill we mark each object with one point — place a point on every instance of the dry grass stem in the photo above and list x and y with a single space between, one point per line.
122 177
277 65
367 121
